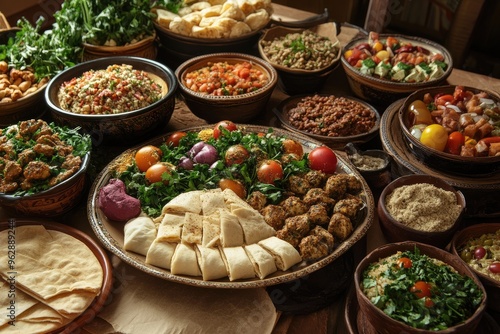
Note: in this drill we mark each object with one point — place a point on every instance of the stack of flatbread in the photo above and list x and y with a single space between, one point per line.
51 279
210 233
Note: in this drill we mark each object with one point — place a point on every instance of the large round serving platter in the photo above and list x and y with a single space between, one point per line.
481 193
111 233
107 269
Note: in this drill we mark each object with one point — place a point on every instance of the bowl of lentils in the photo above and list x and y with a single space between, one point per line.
333 120
114 99
304 58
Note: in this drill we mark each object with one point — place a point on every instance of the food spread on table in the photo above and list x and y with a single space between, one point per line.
396 59
420 291
16 84
49 278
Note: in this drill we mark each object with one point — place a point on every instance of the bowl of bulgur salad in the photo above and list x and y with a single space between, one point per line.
114 98
478 246
411 287
304 58
422 208
226 86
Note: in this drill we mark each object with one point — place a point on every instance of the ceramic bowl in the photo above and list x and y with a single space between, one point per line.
301 81
284 110
458 243
236 108
374 165
442 161
395 231
30 106
145 48
54 201
384 323
129 126
382 91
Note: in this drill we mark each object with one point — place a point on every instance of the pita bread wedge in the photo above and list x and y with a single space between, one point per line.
231 233
192 228
186 202
252 223
262 260
285 255
160 253
170 228
139 234
238 264
211 263
211 230
231 198
184 261
212 201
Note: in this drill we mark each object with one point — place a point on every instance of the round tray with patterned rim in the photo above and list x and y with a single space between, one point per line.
111 233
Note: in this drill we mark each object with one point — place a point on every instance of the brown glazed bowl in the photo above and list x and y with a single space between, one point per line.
301 81
458 243
383 91
129 126
442 161
52 202
283 109
145 48
387 325
395 231
237 108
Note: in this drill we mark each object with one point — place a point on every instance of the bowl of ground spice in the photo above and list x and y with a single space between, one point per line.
420 208
304 58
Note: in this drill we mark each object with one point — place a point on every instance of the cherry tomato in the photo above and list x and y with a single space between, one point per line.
293 146
404 262
434 136
323 159
147 156
174 138
441 100
428 302
269 171
155 173
479 253
236 154
495 267
455 142
235 186
228 125
421 289
418 113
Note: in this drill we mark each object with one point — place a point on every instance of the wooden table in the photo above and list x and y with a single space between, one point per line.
329 319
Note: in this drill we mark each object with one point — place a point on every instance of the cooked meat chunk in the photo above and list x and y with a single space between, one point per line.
51 140
274 215
318 215
319 196
325 236
298 225
340 226
289 237
349 206
294 206
72 162
26 156
62 176
257 200
7 150
315 178
312 248
44 149
6 187
11 171
34 128
336 186
36 170
298 185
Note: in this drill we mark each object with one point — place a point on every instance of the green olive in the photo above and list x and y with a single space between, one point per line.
466 255
488 242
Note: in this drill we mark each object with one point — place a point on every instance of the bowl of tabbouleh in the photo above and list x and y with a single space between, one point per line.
411 287
421 208
479 246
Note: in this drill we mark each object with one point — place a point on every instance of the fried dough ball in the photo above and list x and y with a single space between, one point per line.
325 236
298 225
298 185
274 215
312 248
354 185
336 186
319 196
315 178
348 206
294 206
318 215
257 200
289 237
340 226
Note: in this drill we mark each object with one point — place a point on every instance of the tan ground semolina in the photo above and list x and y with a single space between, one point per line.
423 207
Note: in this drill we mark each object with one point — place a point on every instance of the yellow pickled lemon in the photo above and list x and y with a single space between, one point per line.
383 55
434 136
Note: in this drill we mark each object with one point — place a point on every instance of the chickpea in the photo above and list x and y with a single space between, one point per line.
6 100
30 90
24 85
16 95
4 67
2 93
18 81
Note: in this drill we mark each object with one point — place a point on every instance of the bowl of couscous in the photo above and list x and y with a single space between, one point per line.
421 208
226 86
408 287
114 99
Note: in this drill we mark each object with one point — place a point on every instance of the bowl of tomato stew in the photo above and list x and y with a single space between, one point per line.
407 287
226 86
479 247
453 129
